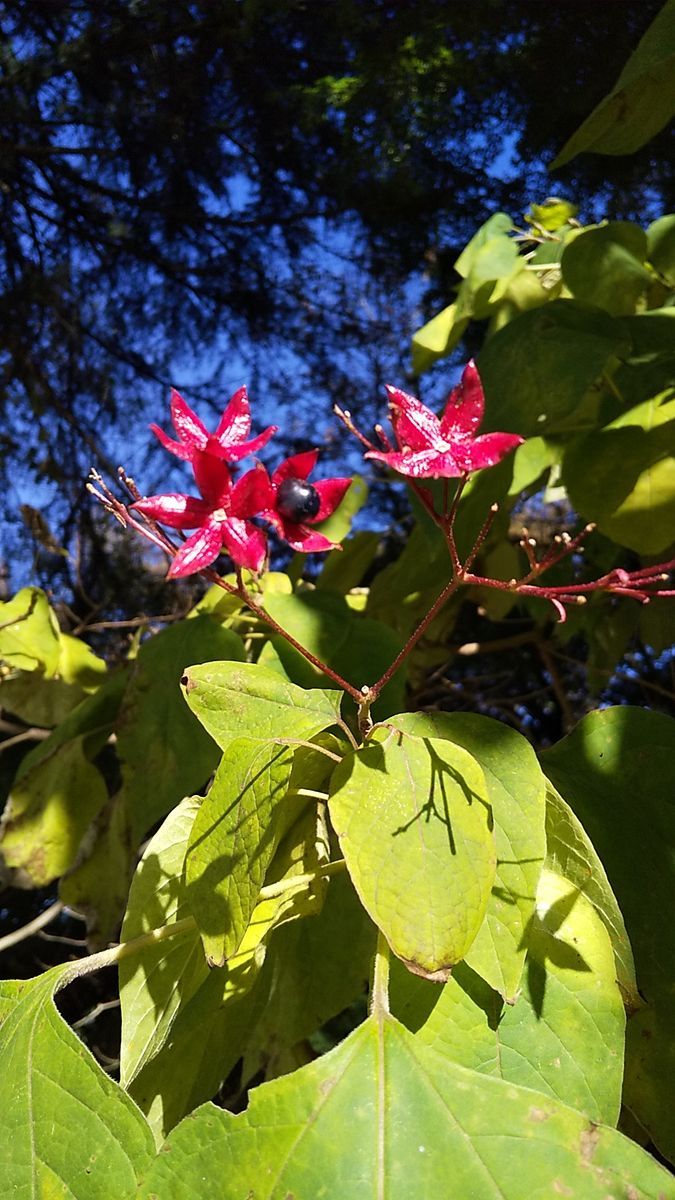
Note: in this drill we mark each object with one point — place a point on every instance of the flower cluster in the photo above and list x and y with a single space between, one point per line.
227 513
222 516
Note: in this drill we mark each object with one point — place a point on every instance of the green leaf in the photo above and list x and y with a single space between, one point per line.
92 721
570 1003
383 1115
165 754
359 648
615 770
314 969
605 266
36 700
50 807
652 336
58 792
494 261
184 1026
499 223
623 476
641 102
154 984
437 338
46 701
68 1129
97 885
204 1043
515 788
233 840
537 371
344 569
29 633
249 700
551 215
661 246
649 368
570 853
657 623
489 257
412 818
79 665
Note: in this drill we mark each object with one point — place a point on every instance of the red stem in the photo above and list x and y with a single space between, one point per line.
244 594
374 691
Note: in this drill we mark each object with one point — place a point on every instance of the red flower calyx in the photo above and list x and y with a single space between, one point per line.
220 518
430 448
229 440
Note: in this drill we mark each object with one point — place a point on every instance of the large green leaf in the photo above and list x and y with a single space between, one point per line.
154 984
623 476
615 770
249 700
537 371
257 798
516 793
359 648
314 970
570 852
649 369
165 754
605 266
183 1025
652 335
51 671
641 102
233 840
383 1115
570 1004
67 1128
413 820
205 1041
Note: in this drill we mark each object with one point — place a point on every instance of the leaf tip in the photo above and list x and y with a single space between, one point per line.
438 975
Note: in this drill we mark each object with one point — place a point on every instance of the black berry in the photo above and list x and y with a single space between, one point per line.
297 499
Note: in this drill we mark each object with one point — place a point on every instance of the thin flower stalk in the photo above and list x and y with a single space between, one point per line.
148 529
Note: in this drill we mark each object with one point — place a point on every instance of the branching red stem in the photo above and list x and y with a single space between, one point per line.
150 530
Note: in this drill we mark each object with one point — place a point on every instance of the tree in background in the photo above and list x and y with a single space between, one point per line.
207 194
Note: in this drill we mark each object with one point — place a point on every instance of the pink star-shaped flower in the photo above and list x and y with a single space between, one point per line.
430 448
297 504
229 440
220 518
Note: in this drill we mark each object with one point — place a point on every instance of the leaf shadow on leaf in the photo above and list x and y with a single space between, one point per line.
216 916
439 768
508 895
168 890
544 925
